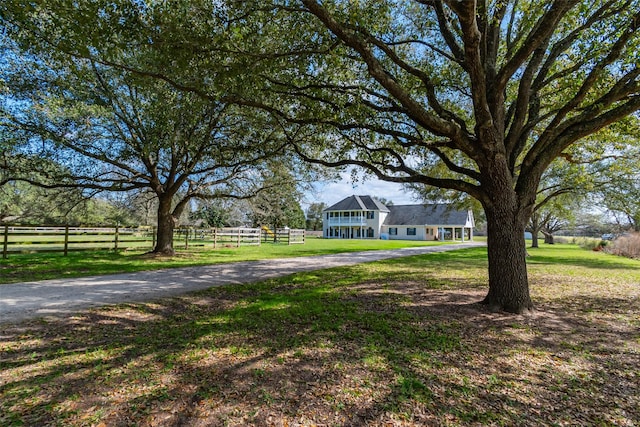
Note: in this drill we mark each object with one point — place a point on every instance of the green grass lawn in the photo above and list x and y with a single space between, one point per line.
397 342
38 266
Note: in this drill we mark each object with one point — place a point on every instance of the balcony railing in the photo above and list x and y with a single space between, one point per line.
348 221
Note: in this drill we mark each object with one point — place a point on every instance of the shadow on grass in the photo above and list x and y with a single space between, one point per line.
349 346
568 256
41 266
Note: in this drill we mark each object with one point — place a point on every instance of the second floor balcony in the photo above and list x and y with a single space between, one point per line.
349 220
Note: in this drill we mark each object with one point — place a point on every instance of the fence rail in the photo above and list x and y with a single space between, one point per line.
289 236
18 239
292 236
65 239
233 236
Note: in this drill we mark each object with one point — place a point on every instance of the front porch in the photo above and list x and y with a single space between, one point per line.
350 232
463 234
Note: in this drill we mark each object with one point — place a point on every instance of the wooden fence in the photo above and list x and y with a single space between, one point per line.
290 236
220 237
65 239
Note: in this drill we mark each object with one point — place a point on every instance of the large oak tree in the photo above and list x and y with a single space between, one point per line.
474 96
117 130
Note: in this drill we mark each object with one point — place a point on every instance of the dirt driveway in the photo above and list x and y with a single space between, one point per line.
21 301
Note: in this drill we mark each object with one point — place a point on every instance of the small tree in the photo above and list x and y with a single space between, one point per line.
314 216
620 194
223 212
213 215
548 221
278 205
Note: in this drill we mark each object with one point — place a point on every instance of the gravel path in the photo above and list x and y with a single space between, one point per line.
21 301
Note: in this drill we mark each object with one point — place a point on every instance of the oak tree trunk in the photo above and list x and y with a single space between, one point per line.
166 225
534 228
534 239
508 283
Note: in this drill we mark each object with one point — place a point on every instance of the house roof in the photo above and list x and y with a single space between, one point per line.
425 214
358 203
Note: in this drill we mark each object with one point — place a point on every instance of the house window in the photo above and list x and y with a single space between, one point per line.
393 231
370 214
411 231
370 232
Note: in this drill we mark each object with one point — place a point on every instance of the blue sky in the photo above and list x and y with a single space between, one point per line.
332 192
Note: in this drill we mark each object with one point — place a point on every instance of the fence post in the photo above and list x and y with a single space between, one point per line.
289 237
186 238
214 237
66 239
6 242
153 237
115 240
259 236
239 237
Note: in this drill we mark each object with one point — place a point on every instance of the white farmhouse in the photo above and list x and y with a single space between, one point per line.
363 217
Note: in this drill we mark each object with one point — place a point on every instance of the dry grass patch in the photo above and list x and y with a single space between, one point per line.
401 342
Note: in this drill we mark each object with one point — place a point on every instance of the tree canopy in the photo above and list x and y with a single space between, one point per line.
116 130
314 215
477 97
278 206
